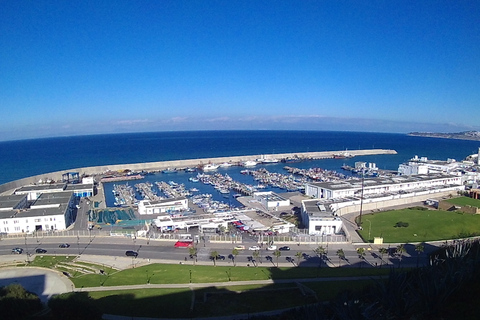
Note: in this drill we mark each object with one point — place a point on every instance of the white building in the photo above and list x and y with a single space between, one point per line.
50 211
13 202
162 206
270 200
432 183
319 219
34 191
423 165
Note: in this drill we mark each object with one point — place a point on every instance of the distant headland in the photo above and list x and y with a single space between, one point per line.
466 135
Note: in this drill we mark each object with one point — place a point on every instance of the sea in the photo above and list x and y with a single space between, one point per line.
24 158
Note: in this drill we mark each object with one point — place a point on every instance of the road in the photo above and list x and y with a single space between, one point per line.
158 250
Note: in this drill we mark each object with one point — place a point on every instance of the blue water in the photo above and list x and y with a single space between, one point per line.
24 158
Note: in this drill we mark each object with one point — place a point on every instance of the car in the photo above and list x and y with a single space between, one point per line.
64 245
40 250
239 247
131 253
272 248
254 248
17 250
183 244
220 257
284 248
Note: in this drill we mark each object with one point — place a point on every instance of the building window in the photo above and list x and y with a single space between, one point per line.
15 221
38 220
17 228
5 222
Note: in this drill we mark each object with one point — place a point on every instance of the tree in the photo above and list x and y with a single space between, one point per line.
221 228
255 255
361 254
382 252
235 253
193 254
277 253
320 251
18 303
419 248
74 305
399 251
299 256
341 255
214 256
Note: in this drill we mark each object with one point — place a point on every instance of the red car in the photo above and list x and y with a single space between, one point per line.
183 244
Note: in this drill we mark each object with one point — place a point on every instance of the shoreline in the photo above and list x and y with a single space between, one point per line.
160 165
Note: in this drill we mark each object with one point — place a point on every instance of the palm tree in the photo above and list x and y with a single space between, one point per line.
277 253
382 252
361 254
214 255
320 251
235 253
419 248
255 255
298 255
341 255
193 254
399 251
221 229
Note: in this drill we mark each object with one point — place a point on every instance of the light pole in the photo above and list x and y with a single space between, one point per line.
369 228
361 199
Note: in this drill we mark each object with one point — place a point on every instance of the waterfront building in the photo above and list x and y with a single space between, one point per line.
429 184
34 191
50 211
147 207
319 218
270 200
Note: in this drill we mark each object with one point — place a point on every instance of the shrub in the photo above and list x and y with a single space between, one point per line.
401 224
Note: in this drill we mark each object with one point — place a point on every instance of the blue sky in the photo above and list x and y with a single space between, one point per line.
86 67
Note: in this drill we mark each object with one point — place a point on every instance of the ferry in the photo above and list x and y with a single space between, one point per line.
210 167
249 163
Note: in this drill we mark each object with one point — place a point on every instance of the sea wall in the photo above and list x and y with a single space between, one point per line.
153 166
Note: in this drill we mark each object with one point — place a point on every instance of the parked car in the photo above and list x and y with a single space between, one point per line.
254 248
40 250
284 248
64 245
17 250
239 247
272 248
131 253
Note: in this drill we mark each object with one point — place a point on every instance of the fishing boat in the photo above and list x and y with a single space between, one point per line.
169 170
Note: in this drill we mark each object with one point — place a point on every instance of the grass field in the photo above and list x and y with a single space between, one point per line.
169 273
464 201
423 225
217 301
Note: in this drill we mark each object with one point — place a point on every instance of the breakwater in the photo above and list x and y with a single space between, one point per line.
161 165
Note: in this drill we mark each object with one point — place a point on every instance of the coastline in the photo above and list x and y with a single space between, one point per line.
160 165
444 136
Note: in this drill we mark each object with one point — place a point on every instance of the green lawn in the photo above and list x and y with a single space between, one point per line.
217 301
423 225
173 273
464 201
